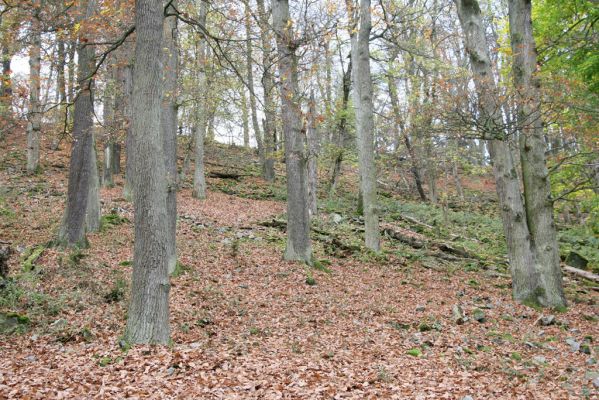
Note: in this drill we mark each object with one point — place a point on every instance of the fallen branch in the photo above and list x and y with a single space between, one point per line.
582 273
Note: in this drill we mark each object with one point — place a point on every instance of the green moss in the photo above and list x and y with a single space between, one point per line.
30 257
416 352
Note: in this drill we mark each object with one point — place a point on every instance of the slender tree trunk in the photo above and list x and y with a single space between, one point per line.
109 126
298 215
128 186
341 130
35 108
362 82
527 285
148 316
199 178
406 139
245 119
82 213
168 122
250 78
537 189
312 138
268 89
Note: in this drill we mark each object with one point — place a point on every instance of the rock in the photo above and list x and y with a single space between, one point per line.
31 358
585 348
226 241
576 260
596 382
170 370
545 320
458 314
479 315
574 345
467 398
591 361
539 360
420 308
336 218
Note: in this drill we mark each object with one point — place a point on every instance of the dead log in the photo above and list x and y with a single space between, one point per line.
582 273
226 175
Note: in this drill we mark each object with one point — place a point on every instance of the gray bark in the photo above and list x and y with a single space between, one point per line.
34 115
537 189
168 122
362 82
268 89
298 215
527 285
199 178
82 213
148 316
252 93
341 130
312 139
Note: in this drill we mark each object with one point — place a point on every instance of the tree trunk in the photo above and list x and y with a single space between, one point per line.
362 82
168 122
312 138
252 93
148 314
268 124
298 215
199 178
35 109
399 126
245 118
109 126
527 285
537 189
341 130
82 213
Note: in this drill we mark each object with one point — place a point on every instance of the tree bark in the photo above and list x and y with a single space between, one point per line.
168 122
537 187
268 89
527 284
341 130
362 83
298 215
199 178
252 93
312 139
148 316
34 115
82 213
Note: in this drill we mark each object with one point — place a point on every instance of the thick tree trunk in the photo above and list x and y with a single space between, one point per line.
199 178
298 215
537 189
148 314
128 186
362 82
527 285
34 116
168 122
312 139
268 124
82 211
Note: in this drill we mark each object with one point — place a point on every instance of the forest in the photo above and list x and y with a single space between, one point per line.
312 199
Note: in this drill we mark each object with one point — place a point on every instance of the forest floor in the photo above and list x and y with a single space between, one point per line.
246 324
